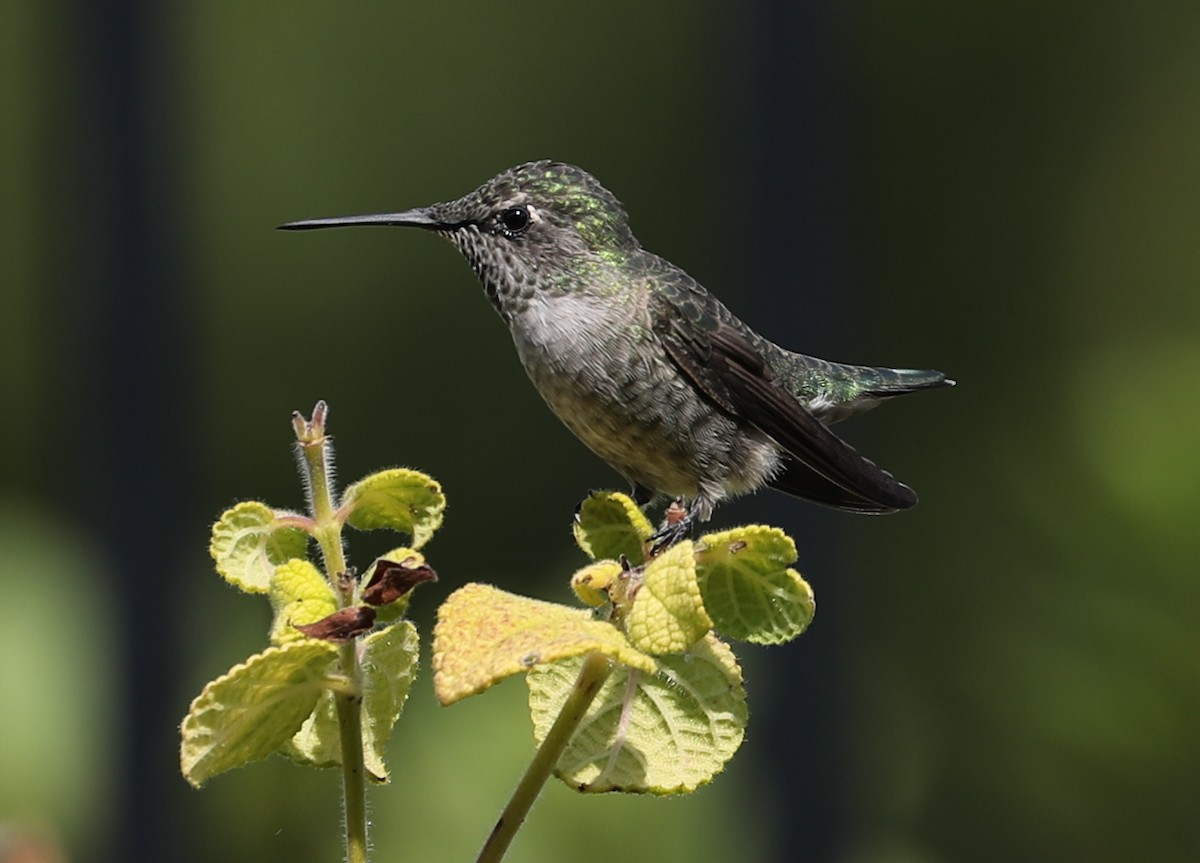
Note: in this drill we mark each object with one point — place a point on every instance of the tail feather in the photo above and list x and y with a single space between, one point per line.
855 389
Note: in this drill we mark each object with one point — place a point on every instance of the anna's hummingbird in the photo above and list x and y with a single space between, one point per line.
645 366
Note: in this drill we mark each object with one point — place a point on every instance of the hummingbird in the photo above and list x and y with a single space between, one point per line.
651 371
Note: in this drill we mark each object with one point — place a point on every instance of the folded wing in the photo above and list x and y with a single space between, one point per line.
725 365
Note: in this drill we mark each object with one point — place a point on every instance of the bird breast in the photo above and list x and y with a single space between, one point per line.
572 334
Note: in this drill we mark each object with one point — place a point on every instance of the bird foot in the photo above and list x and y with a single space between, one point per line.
677 525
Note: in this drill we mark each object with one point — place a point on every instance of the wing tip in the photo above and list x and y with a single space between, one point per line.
886 496
896 498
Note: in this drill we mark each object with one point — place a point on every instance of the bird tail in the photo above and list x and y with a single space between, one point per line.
859 388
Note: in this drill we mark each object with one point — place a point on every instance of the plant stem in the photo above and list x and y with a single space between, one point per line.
595 670
316 454
316 461
349 711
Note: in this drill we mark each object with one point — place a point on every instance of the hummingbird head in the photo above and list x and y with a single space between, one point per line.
527 229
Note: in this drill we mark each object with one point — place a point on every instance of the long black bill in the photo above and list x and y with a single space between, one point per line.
407 219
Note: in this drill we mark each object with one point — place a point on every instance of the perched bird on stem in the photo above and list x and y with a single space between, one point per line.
644 365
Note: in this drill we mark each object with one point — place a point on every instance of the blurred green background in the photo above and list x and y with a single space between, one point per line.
1007 191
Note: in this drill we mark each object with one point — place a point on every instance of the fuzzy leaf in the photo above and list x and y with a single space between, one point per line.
389 664
664 733
749 589
248 543
484 635
591 584
299 594
398 499
609 524
667 614
253 709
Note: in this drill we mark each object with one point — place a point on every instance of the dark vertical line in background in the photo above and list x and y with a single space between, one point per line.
796 278
134 428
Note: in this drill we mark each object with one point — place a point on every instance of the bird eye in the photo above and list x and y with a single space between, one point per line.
515 219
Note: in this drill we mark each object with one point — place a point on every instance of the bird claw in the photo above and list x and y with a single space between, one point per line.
677 525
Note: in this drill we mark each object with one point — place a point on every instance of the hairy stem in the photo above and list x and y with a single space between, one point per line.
316 462
349 712
596 668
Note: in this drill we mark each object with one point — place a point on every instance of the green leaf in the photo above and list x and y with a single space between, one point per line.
749 589
253 709
248 542
667 614
609 524
389 664
398 499
484 635
299 595
664 733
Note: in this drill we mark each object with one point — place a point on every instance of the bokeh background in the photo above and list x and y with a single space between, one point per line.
1007 191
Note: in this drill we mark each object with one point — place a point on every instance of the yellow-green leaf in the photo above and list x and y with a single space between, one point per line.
749 589
609 524
484 635
667 614
591 584
299 595
248 542
389 664
251 711
663 733
399 499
